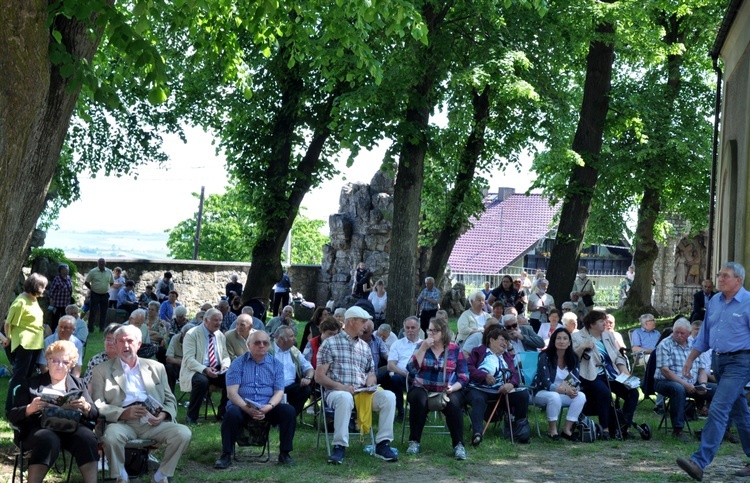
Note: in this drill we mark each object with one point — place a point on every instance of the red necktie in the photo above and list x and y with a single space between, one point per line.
211 350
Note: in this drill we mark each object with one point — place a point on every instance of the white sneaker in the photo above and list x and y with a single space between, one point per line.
413 448
105 463
459 452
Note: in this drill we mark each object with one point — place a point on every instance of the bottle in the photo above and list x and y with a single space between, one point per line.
370 449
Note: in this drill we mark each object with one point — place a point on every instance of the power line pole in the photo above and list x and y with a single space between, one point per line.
198 225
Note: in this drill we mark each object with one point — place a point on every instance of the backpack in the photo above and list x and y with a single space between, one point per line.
586 429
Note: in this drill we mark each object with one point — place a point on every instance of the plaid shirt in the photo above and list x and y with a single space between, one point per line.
60 291
429 374
672 355
425 294
227 321
350 359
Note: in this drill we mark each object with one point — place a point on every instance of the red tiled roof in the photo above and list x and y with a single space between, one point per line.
504 232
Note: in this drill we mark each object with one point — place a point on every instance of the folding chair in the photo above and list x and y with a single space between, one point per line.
433 425
20 453
145 445
327 412
255 434
312 403
666 420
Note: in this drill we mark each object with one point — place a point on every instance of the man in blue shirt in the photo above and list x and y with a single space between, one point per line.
726 330
258 377
646 336
126 298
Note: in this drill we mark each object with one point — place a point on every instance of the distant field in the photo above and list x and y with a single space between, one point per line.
128 244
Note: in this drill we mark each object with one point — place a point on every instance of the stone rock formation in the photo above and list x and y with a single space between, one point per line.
360 232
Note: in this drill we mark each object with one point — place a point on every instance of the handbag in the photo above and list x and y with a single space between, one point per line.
437 401
61 420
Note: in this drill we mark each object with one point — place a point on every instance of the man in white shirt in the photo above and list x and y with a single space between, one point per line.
399 355
121 389
298 372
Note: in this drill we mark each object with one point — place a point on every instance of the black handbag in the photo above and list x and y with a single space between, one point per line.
61 420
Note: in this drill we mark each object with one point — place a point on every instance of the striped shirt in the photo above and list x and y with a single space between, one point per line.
257 381
350 359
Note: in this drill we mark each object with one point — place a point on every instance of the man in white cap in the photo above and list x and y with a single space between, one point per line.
345 365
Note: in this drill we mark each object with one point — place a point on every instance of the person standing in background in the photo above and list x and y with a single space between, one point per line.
281 292
98 281
59 294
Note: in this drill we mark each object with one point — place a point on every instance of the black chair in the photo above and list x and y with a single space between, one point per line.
255 434
20 453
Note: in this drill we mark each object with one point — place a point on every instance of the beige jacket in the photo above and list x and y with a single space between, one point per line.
590 365
194 347
108 387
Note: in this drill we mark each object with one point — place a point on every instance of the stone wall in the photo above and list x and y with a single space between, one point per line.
360 232
197 282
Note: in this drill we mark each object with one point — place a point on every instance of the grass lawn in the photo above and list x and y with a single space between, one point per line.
495 460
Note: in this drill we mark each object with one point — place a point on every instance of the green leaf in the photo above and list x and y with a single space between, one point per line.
157 96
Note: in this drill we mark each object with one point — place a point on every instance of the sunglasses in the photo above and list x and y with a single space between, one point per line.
513 326
261 342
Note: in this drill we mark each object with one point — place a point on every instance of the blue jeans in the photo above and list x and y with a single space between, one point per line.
729 403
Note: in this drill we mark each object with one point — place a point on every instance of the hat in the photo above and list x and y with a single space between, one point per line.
356 313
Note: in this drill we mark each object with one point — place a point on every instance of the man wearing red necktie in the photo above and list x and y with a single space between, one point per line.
204 361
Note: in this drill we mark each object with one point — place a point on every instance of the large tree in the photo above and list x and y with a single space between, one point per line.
587 144
46 52
661 141
455 66
281 86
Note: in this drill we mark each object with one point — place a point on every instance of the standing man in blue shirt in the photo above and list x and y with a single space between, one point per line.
429 303
726 330
258 377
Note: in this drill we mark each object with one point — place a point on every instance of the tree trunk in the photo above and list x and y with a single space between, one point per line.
574 216
451 230
277 209
407 192
646 251
35 110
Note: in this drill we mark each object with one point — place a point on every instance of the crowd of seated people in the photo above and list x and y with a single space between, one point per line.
343 352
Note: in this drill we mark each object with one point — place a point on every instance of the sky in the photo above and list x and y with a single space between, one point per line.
161 196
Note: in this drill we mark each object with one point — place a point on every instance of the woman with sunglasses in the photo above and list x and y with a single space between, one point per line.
437 365
26 413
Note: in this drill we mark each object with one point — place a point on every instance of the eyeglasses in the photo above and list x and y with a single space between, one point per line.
58 362
109 341
513 326
433 331
261 342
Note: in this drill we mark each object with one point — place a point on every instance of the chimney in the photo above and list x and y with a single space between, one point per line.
504 193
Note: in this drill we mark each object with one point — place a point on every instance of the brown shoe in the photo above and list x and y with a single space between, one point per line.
744 472
728 436
691 468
